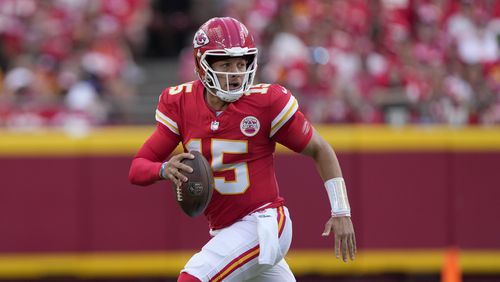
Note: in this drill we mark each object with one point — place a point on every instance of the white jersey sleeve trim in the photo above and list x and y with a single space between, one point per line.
285 114
172 125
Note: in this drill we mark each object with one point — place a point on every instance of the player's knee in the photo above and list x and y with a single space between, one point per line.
185 277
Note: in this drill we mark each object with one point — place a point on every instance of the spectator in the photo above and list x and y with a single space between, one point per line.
47 44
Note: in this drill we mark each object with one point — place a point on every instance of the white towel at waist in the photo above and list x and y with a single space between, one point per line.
267 230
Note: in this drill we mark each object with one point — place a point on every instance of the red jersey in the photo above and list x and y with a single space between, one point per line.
238 142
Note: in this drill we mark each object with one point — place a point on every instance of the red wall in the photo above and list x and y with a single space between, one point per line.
399 200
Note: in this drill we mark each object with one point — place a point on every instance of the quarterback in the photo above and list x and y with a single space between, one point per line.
236 125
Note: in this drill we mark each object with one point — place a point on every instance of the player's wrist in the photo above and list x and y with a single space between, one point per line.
163 167
337 194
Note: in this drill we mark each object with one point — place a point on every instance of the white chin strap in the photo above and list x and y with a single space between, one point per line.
226 97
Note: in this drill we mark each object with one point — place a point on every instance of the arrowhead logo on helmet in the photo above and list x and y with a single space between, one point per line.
200 39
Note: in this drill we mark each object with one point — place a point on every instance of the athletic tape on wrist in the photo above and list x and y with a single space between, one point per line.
162 169
337 194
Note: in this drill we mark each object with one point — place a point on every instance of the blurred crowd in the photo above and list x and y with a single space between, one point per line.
67 62
381 61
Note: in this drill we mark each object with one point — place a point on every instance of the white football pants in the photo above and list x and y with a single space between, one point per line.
234 253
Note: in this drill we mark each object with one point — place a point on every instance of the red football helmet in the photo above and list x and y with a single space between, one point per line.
229 38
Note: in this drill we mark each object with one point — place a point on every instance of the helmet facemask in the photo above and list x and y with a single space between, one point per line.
211 79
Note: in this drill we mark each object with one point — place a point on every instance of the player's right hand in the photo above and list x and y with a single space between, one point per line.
174 169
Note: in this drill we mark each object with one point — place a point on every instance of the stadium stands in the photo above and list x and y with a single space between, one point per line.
358 61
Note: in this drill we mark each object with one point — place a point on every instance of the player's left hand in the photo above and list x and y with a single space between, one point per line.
345 241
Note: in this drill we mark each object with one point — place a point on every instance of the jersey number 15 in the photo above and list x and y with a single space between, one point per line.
218 148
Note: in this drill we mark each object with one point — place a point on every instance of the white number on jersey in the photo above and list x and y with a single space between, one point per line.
218 148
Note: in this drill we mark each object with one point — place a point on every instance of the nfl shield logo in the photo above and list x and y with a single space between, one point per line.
214 125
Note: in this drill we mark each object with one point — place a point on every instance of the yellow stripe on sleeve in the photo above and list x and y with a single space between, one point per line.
172 125
284 116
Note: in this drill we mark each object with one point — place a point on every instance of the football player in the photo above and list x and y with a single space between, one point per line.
236 125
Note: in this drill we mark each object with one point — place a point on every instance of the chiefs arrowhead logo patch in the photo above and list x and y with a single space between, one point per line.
200 39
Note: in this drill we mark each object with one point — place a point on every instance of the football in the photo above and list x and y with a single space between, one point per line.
194 195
